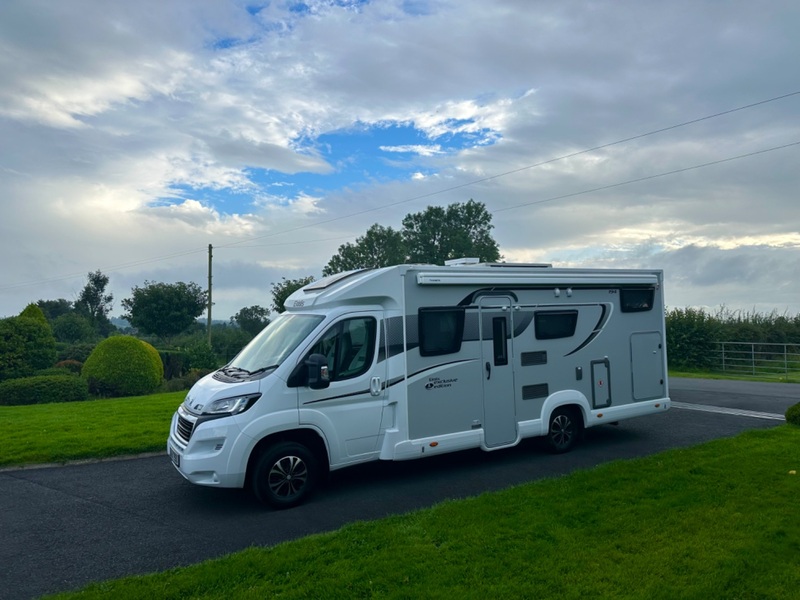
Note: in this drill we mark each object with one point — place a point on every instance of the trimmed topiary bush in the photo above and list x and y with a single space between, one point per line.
26 345
123 366
43 389
793 414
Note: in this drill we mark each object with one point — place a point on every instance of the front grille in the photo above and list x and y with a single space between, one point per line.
185 428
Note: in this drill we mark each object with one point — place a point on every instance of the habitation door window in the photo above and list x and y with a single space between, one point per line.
500 341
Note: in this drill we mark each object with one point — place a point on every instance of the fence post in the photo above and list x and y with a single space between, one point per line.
786 359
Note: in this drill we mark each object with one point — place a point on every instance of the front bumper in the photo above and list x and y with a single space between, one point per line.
208 458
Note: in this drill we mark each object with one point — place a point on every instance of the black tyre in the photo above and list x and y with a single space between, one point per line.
285 475
566 427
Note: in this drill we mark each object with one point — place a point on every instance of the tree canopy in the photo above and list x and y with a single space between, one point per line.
251 319
460 230
379 247
431 236
164 309
94 303
284 288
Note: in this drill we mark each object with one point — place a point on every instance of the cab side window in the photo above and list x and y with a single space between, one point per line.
349 347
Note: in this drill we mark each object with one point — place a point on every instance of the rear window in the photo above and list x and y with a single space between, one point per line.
636 299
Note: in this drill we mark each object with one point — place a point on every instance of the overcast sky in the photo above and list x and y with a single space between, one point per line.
135 134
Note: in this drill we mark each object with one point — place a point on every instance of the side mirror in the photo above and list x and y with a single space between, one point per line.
318 376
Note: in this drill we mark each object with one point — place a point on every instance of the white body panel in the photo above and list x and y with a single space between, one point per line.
431 359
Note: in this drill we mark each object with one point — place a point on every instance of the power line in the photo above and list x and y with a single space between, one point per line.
520 169
461 186
647 178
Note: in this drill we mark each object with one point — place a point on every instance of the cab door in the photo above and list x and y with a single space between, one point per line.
348 411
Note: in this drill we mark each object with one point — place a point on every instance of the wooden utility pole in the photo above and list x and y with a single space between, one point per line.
209 295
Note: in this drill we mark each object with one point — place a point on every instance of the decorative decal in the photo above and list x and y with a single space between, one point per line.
437 383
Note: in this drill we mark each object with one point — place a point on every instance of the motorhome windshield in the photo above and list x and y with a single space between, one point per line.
277 341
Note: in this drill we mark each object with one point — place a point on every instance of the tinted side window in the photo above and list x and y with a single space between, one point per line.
440 330
551 325
636 300
349 347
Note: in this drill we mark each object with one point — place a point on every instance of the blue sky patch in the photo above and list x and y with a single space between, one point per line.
364 154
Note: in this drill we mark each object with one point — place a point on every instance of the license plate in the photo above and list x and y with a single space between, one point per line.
175 457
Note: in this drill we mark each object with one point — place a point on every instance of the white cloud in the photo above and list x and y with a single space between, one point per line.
133 134
431 150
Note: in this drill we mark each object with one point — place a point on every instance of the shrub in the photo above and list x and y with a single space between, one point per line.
793 414
123 366
26 345
186 382
73 328
79 352
201 356
175 363
42 389
73 366
55 371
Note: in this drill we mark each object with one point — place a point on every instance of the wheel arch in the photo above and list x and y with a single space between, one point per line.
568 399
310 438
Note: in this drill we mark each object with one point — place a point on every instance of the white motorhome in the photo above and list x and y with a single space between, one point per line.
417 360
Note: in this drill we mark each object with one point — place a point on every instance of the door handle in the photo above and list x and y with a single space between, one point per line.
488 370
375 386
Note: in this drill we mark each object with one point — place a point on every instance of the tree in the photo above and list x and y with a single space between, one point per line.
283 289
94 303
53 309
433 236
461 230
164 309
252 319
379 247
73 328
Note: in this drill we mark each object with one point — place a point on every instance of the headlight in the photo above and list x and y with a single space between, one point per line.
231 406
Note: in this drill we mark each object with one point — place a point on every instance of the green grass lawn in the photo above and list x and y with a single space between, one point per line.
45 433
713 521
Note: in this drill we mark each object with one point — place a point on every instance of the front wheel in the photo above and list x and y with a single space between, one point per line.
565 430
285 475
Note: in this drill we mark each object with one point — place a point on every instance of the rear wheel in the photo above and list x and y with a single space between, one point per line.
565 429
285 475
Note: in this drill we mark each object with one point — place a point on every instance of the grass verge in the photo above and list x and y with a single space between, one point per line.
713 521
791 377
46 433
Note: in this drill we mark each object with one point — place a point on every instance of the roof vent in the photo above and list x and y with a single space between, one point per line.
460 262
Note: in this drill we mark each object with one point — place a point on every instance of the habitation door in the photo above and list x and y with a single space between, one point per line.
497 352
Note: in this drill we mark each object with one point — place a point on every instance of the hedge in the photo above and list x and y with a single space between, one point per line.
42 389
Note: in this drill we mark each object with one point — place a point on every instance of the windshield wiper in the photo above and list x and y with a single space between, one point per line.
235 371
262 369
